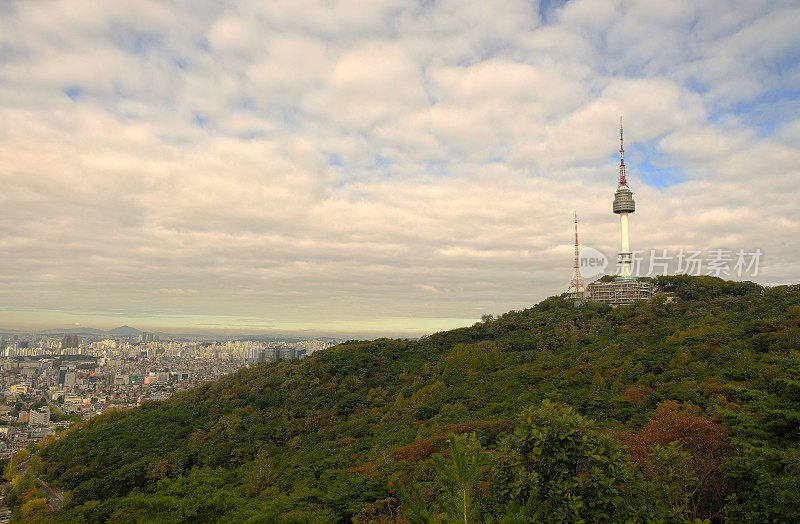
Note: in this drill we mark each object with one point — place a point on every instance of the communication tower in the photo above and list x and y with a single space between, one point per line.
576 285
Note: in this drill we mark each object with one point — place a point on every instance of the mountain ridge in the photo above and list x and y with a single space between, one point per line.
323 438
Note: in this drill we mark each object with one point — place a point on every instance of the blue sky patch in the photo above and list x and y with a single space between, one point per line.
548 7
200 121
649 166
74 93
769 110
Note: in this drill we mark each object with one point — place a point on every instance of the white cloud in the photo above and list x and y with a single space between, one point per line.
371 84
328 162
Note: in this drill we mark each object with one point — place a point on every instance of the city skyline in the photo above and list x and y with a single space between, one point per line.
385 169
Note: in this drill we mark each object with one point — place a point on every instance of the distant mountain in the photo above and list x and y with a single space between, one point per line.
73 331
125 331
122 331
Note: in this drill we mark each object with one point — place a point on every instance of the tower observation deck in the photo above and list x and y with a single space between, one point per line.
623 201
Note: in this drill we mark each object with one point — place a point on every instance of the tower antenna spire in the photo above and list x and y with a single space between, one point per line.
576 285
622 180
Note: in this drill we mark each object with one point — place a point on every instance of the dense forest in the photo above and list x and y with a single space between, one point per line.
686 407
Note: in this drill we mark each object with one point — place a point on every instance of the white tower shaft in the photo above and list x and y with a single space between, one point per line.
624 247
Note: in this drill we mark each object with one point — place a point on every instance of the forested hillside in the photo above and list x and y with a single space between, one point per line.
655 411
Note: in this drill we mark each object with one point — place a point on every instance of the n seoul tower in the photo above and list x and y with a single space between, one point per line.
623 204
626 288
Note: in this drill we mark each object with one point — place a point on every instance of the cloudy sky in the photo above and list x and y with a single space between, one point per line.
377 167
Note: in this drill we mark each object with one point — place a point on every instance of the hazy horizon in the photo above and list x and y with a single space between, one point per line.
394 328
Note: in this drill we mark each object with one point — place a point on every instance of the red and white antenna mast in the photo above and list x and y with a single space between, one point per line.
622 181
576 285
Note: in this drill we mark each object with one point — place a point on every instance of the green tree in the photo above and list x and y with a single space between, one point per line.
460 479
415 509
671 482
559 464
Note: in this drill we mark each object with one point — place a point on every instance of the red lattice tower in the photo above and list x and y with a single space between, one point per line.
576 285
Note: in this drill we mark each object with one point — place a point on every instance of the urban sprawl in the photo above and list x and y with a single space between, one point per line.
51 381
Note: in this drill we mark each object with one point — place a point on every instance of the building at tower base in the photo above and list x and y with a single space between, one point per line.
621 291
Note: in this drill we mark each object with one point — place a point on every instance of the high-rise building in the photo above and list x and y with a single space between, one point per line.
40 417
